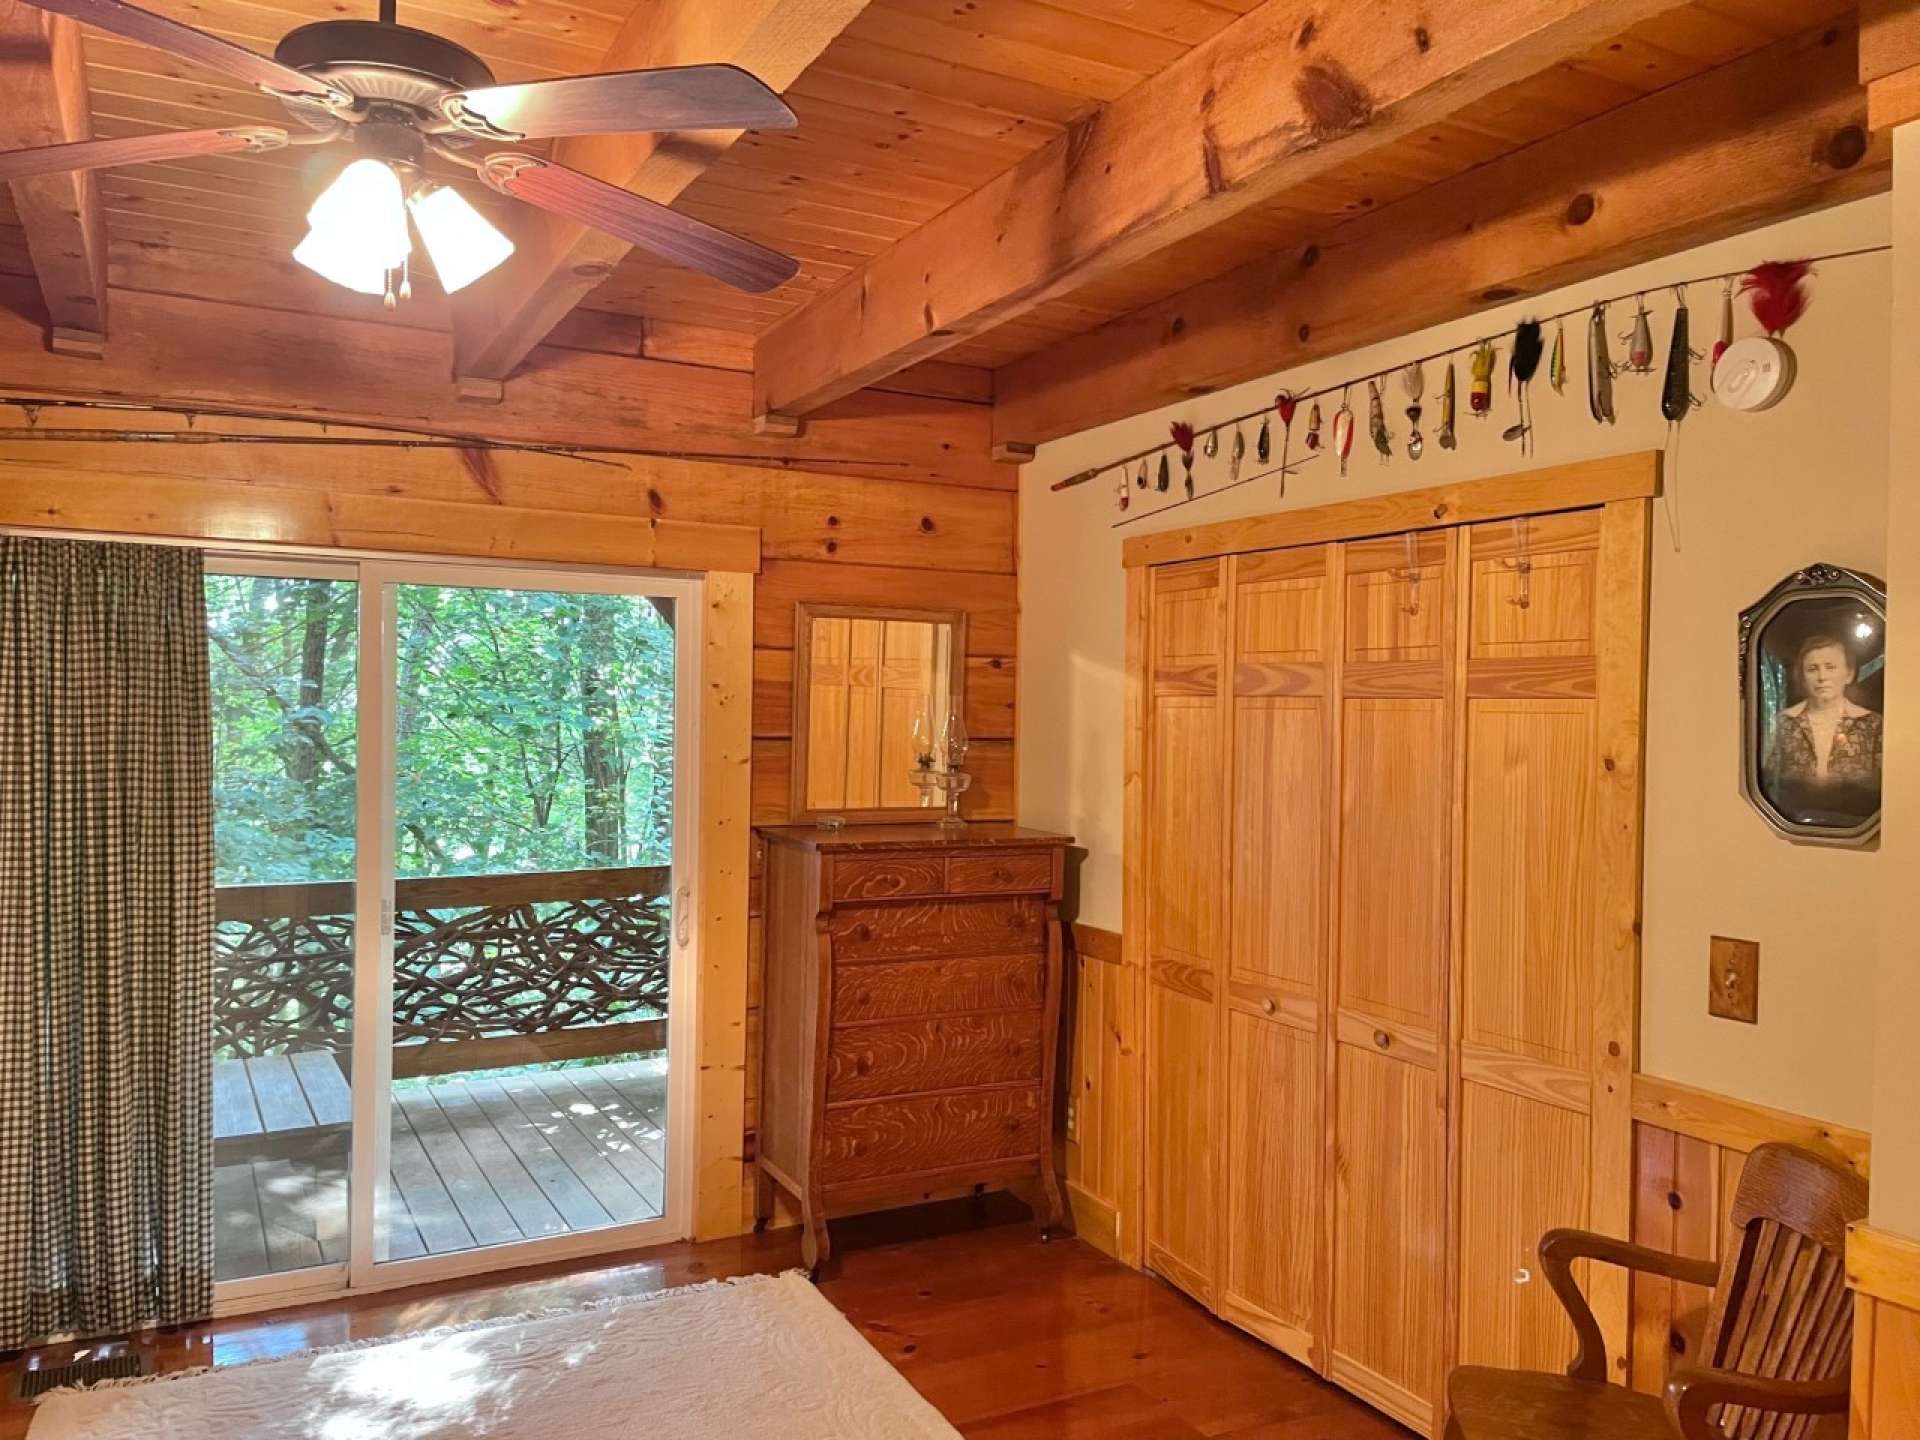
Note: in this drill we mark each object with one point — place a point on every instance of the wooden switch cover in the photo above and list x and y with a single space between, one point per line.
1733 981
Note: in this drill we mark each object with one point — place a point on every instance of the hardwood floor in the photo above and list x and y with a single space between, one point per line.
1012 1339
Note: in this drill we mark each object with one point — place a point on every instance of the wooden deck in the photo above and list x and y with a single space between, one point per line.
476 1160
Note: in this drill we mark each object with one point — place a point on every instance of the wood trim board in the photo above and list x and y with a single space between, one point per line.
1631 476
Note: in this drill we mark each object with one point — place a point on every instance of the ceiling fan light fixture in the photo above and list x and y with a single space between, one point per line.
464 245
358 233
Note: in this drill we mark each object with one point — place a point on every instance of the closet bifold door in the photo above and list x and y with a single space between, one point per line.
1550 667
1386 1185
1279 758
1185 913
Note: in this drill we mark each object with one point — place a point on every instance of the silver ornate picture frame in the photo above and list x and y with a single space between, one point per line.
1812 685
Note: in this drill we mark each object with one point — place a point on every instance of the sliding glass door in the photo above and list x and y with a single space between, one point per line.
455 929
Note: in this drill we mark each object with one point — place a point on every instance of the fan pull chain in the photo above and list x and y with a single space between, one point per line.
406 277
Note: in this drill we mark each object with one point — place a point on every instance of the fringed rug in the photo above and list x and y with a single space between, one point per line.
761 1358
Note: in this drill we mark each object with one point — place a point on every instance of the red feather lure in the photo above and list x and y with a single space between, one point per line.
1183 436
1777 291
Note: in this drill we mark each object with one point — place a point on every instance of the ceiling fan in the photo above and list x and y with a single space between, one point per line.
398 95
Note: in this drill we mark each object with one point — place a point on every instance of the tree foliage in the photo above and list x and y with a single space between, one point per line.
534 729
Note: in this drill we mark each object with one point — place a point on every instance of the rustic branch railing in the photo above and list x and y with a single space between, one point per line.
488 969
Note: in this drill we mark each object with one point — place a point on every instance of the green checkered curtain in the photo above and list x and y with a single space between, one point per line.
106 939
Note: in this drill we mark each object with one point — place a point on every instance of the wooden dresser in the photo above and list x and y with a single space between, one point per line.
911 1008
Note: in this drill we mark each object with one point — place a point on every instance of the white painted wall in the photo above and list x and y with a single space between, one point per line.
1753 496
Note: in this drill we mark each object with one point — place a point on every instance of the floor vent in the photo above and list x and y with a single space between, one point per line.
35 1383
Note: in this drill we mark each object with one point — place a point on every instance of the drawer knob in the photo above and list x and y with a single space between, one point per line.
1382 1039
1268 1005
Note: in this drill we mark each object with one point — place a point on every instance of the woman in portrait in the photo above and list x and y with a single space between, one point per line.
1826 748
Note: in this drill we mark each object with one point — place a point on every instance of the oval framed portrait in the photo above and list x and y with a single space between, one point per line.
1813 658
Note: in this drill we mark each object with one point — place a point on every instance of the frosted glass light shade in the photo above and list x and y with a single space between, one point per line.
359 229
464 246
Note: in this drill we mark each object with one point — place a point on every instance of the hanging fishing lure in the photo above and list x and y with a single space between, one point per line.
1126 498
1212 447
1263 442
1480 393
1413 380
1557 366
1377 422
1313 427
1141 480
1726 329
1639 341
1343 432
1445 435
1522 365
1284 405
1164 480
1676 393
1236 456
1183 437
1600 367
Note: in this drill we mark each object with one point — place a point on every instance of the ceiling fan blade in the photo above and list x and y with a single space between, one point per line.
633 218
136 149
132 23
686 97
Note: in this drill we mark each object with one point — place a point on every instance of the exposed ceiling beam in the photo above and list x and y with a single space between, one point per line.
558 263
1777 133
1890 60
1286 93
43 78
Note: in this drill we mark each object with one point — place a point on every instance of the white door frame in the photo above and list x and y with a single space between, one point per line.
371 1135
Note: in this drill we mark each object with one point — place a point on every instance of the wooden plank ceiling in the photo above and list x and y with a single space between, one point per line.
915 104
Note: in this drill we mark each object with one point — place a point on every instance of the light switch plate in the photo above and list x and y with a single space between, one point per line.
1733 979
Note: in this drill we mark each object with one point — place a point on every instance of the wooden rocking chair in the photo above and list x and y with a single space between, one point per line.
1778 1340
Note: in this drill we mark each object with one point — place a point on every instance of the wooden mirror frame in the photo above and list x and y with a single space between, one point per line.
805 612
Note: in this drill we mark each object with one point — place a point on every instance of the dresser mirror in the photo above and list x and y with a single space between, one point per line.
878 695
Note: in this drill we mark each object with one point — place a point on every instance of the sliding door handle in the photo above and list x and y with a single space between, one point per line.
682 922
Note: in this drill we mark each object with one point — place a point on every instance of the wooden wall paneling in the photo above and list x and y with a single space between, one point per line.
1282 633
1620 611
1884 1270
1184 919
723 859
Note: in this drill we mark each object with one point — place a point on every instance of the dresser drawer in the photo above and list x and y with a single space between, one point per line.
883 1138
938 927
904 988
1001 872
884 877
941 1052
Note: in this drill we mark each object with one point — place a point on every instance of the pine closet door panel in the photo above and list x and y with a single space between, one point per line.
1273 1019
1535 978
1387 1190
1389 1240
1185 914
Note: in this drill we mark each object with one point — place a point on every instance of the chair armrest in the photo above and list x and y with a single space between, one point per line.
1692 1393
1560 1248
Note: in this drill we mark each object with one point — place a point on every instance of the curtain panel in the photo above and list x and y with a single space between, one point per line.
106 939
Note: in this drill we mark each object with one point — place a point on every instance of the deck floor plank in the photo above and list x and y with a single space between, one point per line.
325 1087
276 1090
418 1189
288 1213
611 1122
530 1210
474 1162
234 1112
577 1205
240 1242
621 1198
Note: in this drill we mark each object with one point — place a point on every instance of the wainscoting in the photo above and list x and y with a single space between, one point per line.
1884 1270
1689 1148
